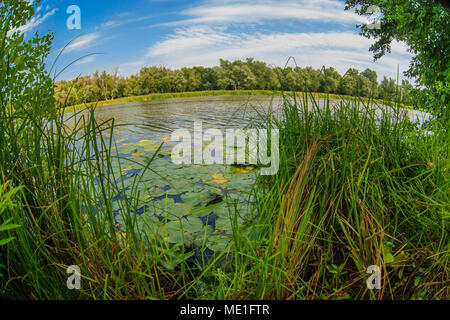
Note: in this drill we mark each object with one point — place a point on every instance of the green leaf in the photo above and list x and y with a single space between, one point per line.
5 241
5 227
417 280
388 258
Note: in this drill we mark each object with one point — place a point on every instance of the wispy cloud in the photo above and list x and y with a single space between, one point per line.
35 21
204 45
315 32
83 42
88 59
220 12
120 21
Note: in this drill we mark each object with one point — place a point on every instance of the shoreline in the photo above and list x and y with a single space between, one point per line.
219 93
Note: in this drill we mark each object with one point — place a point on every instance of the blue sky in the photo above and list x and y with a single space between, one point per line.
128 35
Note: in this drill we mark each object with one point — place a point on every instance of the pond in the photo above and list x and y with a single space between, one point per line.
184 205
157 119
181 205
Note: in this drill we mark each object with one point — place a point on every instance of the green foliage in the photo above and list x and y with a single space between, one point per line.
424 25
354 189
22 76
6 202
6 225
236 75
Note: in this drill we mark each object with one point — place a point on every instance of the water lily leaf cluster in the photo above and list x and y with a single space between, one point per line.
190 205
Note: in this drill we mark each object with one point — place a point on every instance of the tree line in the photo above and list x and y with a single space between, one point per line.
235 75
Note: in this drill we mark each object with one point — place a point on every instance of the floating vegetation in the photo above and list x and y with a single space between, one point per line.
190 205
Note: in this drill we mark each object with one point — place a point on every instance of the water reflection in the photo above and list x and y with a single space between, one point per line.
158 119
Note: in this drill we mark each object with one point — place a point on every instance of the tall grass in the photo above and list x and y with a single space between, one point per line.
65 213
354 189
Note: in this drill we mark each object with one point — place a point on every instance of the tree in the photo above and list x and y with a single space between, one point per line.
224 81
406 93
242 76
266 78
207 78
387 89
329 82
179 80
424 26
348 85
309 79
291 80
364 86
372 76
352 72
132 87
246 75
23 84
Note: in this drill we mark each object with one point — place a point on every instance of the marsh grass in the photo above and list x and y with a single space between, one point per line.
354 189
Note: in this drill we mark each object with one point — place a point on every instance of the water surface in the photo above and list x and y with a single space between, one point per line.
183 204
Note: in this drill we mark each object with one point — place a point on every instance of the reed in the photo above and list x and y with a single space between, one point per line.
354 189
358 185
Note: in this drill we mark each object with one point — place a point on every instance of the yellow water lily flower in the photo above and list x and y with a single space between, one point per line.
241 170
219 178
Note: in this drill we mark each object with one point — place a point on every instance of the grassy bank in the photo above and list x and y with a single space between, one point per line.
355 188
352 191
163 96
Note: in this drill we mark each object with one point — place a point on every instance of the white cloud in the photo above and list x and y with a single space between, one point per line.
35 21
192 38
88 59
83 42
204 45
226 12
209 33
109 24
120 21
